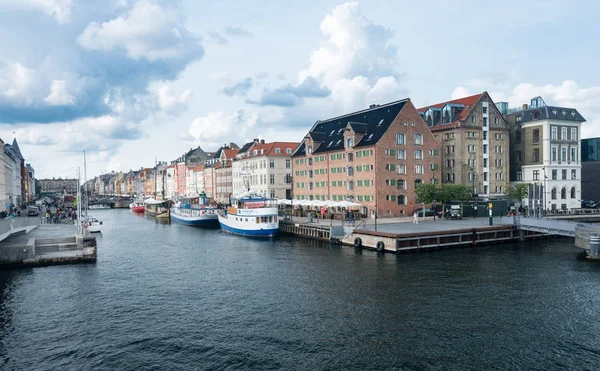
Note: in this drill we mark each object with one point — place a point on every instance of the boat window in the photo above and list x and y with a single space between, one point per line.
257 220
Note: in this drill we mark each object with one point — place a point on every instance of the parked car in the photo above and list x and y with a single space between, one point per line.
33 211
428 212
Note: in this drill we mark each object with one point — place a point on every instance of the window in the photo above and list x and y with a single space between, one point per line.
553 194
288 163
573 154
418 154
349 142
572 192
536 175
536 136
400 154
554 174
573 174
484 109
485 121
485 135
553 156
554 134
573 133
401 184
496 121
471 148
473 119
309 150
563 133
400 138
418 139
449 163
272 179
449 149
401 200
536 155
485 147
391 167
519 175
450 177
350 171
564 174
401 169
518 136
563 154
563 193
418 169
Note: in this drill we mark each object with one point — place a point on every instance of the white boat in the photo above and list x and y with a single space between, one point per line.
98 207
157 208
251 215
195 211
93 225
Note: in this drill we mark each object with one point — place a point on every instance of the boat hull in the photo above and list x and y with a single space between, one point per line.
195 221
157 214
259 231
137 209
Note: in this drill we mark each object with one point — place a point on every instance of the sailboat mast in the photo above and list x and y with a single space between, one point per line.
85 180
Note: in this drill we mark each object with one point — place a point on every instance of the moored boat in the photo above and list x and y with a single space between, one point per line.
92 224
157 208
137 206
251 215
195 211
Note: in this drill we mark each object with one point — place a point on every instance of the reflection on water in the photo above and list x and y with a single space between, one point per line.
174 297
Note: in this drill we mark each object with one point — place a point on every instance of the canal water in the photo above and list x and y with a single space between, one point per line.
173 297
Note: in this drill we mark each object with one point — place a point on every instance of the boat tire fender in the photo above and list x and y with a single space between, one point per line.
380 246
358 243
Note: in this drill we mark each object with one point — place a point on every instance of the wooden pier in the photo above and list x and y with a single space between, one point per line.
408 241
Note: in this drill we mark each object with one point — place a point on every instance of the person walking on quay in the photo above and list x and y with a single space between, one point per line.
416 218
323 213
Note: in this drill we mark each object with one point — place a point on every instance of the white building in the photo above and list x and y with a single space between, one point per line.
546 150
194 180
265 168
170 180
12 176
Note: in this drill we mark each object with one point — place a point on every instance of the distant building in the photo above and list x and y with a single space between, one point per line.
590 169
545 148
375 157
59 185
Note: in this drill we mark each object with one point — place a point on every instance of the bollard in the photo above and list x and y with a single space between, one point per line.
594 245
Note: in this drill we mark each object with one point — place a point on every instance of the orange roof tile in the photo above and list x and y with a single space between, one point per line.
270 149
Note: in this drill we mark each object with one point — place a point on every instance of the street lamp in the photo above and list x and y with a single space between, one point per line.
473 190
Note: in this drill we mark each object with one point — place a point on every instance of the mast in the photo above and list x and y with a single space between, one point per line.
155 179
85 180
79 230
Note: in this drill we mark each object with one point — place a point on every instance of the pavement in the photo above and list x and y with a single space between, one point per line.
42 231
406 225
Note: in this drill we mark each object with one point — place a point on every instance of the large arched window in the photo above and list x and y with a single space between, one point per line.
563 193
553 194
572 192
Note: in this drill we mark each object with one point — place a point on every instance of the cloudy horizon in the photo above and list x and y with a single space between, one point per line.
132 81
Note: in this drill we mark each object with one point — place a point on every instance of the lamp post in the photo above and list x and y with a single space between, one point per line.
473 190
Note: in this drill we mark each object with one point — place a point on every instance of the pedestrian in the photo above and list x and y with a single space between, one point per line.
323 212
416 218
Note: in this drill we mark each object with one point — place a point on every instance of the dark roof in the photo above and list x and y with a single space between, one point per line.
372 122
245 148
15 147
548 113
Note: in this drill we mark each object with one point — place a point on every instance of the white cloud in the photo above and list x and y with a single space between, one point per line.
34 136
148 31
17 83
218 127
58 9
59 96
171 103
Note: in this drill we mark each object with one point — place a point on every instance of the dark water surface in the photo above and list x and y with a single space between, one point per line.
173 297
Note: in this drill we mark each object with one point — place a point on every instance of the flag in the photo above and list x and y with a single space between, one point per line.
76 201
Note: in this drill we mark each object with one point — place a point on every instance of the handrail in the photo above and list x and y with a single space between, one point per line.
356 227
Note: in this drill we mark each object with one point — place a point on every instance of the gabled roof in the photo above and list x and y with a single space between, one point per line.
15 147
330 132
245 148
358 127
229 153
270 149
466 102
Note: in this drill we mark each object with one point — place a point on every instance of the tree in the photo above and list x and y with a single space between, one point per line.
426 193
519 191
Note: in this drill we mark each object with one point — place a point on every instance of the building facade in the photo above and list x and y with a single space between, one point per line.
59 186
475 143
265 168
375 157
546 149
590 169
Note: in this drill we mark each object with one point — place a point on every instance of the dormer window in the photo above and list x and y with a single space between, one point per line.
429 118
278 151
255 152
309 149
446 115
288 151
349 142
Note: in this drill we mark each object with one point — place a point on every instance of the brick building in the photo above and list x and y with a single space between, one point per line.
374 157
475 144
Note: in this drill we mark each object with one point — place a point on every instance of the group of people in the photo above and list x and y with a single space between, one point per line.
60 215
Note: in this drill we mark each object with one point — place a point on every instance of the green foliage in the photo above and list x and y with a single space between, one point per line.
518 191
443 193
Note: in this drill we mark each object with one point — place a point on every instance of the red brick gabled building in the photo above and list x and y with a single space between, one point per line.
374 157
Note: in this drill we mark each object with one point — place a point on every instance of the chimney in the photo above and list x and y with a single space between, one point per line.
524 106
255 140
262 141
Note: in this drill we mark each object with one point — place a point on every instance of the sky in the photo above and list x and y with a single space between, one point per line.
131 82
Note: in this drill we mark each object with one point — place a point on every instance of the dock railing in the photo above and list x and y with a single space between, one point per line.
9 226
